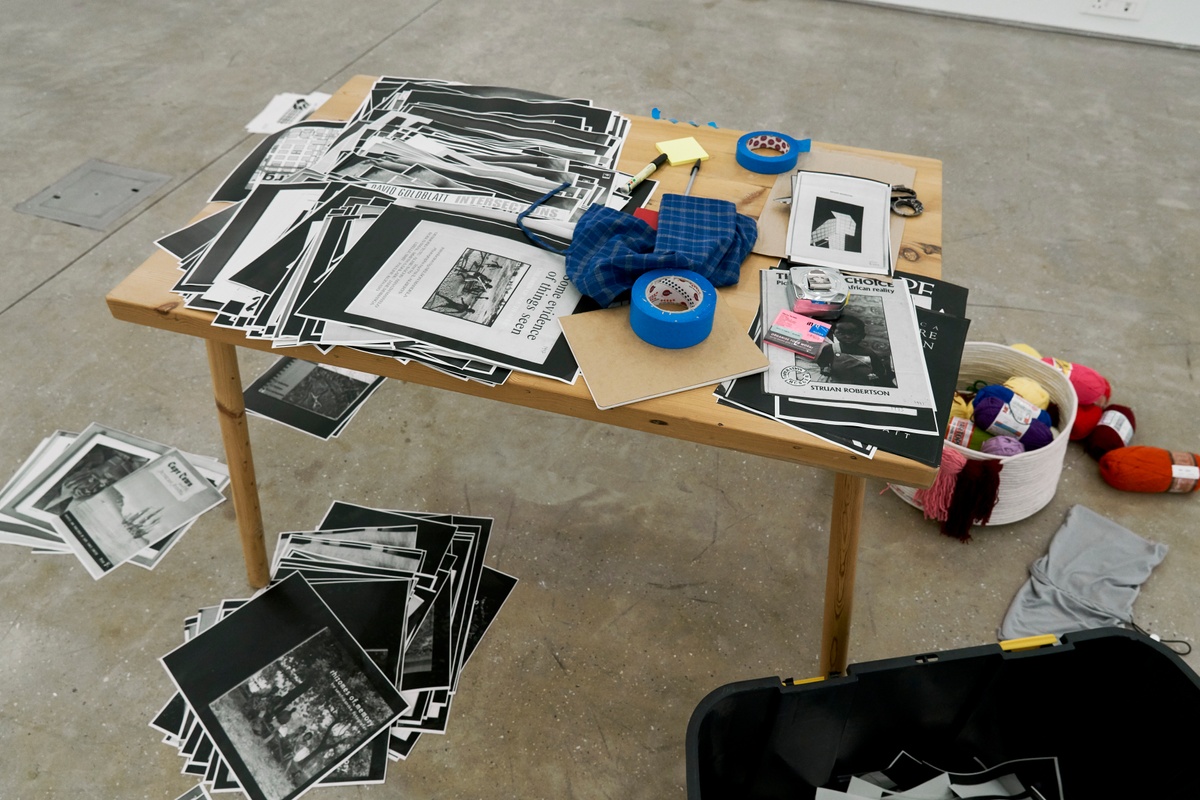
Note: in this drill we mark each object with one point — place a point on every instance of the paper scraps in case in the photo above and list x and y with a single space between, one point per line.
107 497
907 776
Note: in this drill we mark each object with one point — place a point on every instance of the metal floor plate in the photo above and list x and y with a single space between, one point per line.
94 195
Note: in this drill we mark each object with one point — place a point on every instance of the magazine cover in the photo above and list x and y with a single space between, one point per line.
872 353
316 399
109 527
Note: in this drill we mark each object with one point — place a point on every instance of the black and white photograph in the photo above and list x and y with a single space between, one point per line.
837 225
283 690
317 399
840 221
478 287
300 715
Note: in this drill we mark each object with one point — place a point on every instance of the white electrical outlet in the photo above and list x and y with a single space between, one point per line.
1118 9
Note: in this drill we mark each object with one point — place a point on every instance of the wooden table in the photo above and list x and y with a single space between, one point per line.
145 298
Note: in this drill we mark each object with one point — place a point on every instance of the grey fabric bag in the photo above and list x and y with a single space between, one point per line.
1089 578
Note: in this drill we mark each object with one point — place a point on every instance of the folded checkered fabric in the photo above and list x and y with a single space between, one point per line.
610 249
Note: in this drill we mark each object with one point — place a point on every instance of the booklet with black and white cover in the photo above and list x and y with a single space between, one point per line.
840 221
871 371
471 286
283 690
108 528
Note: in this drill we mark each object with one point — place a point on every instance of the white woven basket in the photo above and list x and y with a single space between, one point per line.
1027 480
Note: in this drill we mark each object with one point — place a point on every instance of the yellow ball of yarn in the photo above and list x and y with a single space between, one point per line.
1030 389
959 408
1027 350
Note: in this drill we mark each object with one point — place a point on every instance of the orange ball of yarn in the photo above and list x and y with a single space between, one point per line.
1150 469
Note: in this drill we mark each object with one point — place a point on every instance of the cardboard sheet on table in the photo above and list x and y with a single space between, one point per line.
773 221
619 368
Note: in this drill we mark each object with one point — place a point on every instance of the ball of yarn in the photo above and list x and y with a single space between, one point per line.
1090 386
1003 446
965 433
1021 405
1031 390
1150 469
1114 429
1086 419
1027 350
959 408
997 416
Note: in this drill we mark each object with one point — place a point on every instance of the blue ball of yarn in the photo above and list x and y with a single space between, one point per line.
1038 434
1006 394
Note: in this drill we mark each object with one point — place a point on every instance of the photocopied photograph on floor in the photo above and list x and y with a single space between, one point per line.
317 399
112 525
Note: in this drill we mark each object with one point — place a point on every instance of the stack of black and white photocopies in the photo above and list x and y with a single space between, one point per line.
316 399
396 232
107 497
351 654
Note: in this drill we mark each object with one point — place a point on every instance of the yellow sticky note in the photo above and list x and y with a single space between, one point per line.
682 151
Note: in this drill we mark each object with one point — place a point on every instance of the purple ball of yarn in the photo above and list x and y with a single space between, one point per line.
1038 434
1003 446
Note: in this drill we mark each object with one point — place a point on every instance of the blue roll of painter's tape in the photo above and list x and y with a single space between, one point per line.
789 151
673 309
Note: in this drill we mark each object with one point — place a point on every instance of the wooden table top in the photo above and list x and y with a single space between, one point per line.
145 298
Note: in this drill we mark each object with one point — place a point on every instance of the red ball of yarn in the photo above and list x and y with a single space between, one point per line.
1115 429
992 413
1090 386
1150 469
1086 419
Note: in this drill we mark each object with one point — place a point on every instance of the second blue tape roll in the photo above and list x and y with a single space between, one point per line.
673 309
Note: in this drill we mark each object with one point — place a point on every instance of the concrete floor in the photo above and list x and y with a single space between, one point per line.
652 571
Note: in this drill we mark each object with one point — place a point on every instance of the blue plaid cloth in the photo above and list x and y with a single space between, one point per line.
610 249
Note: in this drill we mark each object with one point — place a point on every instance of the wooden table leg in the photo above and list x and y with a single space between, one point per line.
848 491
231 410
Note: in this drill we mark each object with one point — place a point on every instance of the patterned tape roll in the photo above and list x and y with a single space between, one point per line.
672 308
789 150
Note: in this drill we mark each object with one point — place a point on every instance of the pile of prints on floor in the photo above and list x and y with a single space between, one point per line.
351 654
395 232
107 497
